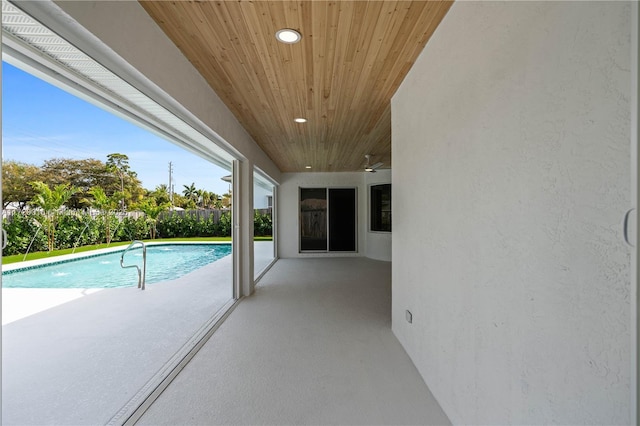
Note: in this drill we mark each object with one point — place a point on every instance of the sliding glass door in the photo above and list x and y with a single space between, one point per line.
84 340
328 219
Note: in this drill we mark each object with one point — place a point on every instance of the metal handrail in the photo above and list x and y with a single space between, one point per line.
141 274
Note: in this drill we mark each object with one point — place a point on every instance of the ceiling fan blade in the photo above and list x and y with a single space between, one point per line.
377 165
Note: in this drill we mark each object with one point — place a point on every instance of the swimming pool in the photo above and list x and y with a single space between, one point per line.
164 262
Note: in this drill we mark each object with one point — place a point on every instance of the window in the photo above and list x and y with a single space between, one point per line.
381 208
39 50
264 247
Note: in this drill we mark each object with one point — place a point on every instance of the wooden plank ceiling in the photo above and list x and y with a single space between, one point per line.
340 77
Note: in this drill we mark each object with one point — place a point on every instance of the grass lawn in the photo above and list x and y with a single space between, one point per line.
45 254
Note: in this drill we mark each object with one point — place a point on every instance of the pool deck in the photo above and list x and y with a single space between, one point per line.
18 303
83 354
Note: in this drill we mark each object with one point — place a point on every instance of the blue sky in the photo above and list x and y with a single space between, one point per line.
40 121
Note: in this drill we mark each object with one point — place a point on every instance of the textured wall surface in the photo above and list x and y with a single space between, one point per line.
511 178
370 244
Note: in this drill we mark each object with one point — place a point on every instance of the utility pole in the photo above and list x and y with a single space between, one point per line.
171 183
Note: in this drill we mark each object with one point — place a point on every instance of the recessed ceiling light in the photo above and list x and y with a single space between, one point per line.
300 120
287 35
307 167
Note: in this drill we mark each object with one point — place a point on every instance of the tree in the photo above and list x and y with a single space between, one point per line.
15 183
216 201
50 202
160 194
182 201
204 198
209 200
226 200
191 192
105 204
127 180
149 207
81 174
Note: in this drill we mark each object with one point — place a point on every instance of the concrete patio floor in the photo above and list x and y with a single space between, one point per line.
312 346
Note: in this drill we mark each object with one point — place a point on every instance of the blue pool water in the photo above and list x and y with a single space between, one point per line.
164 262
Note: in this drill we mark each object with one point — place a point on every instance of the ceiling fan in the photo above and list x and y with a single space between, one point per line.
371 168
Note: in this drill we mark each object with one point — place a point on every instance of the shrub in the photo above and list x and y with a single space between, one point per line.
21 230
224 225
78 228
192 224
261 224
170 226
132 229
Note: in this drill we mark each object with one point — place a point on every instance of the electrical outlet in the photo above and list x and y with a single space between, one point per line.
408 316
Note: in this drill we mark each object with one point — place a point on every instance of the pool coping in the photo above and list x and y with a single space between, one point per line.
28 264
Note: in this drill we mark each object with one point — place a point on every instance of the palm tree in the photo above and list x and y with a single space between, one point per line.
161 194
104 204
206 198
152 211
50 202
191 192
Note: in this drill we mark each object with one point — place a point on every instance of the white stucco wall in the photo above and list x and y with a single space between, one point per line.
260 200
370 244
511 178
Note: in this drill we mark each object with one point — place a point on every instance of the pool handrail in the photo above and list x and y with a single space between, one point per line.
141 274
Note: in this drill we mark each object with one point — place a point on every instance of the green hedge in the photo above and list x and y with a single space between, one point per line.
190 225
261 224
23 230
77 228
